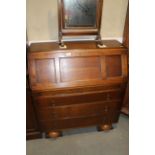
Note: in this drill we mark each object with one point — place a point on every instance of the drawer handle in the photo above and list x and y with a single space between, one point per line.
53 103
106 109
108 97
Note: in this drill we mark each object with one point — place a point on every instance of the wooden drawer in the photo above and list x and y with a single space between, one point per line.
49 101
106 118
75 122
79 110
76 110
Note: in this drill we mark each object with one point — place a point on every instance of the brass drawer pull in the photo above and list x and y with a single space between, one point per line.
52 103
106 108
108 97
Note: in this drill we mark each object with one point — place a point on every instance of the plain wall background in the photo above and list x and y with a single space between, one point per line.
42 19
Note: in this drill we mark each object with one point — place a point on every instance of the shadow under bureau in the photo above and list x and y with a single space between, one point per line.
79 86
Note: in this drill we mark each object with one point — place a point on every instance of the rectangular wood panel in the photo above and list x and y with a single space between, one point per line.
70 99
80 68
82 110
113 66
74 122
72 68
45 70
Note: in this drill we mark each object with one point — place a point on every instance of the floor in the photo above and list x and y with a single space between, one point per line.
85 141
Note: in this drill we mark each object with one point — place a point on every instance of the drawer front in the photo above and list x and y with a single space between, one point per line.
49 101
82 110
111 117
77 111
71 123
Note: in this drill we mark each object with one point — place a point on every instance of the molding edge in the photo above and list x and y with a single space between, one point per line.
120 39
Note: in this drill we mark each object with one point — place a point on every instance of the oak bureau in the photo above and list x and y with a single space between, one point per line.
79 86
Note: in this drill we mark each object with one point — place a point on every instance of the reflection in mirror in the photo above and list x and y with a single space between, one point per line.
80 13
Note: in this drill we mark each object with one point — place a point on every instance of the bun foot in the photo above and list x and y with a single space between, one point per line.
105 127
54 134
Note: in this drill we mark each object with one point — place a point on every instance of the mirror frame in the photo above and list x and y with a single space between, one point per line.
77 31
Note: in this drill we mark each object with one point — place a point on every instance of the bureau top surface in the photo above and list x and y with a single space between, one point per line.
50 46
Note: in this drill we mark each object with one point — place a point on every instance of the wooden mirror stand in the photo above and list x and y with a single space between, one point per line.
79 18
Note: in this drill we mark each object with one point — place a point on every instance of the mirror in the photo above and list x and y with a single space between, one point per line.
79 17
80 13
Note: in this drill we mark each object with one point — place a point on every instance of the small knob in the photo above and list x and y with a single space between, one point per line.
108 96
106 108
53 103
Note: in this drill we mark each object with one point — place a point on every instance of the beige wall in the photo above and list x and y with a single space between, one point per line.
42 24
